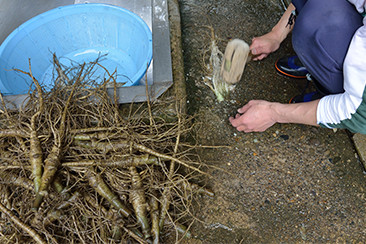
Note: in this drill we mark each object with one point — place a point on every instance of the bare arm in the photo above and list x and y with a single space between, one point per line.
282 29
299 113
259 115
262 46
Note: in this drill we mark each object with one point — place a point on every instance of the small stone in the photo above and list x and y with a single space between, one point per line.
285 137
340 173
314 141
336 159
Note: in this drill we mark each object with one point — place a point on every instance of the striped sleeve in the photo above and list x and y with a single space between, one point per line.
348 110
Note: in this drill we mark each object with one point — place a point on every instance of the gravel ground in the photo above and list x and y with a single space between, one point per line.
292 183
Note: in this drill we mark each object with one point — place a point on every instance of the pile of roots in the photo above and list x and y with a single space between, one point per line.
74 169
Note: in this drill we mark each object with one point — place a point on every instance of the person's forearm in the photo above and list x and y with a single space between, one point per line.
282 29
299 113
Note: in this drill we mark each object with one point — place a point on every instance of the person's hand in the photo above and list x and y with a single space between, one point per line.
255 116
262 46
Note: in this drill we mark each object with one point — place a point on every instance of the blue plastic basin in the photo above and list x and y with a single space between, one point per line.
76 33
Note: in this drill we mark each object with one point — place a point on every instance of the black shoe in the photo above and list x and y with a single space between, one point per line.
292 67
307 97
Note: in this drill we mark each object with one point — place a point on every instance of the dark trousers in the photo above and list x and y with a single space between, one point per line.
321 36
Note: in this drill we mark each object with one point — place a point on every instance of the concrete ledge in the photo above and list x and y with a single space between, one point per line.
179 85
360 144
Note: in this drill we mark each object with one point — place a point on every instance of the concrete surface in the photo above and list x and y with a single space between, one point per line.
290 184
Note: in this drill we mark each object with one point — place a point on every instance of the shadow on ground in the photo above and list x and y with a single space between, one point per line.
292 183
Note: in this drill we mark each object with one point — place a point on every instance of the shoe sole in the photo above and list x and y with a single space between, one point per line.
287 74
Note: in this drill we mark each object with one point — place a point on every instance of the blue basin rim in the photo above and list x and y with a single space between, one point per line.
39 20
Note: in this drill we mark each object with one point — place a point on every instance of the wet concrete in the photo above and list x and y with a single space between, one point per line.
290 184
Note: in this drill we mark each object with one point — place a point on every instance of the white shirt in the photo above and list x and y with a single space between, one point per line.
348 110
